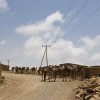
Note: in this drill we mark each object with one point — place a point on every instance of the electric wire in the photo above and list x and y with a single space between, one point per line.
84 21
66 13
77 13
87 18
68 9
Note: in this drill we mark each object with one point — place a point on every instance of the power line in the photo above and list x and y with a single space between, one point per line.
84 20
61 27
66 13
77 13
68 8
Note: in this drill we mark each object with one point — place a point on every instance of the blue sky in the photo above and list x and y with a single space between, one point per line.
27 24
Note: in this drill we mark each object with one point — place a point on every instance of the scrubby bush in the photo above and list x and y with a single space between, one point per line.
2 79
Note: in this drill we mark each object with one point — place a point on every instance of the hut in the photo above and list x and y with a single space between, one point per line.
71 64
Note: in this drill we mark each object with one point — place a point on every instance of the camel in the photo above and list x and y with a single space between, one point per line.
68 71
27 70
44 73
52 73
33 70
65 72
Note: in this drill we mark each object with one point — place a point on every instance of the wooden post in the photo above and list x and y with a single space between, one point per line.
46 54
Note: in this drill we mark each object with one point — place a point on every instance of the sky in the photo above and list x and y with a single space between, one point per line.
71 27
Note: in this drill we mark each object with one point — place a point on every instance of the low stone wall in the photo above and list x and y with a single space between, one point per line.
4 67
95 71
92 71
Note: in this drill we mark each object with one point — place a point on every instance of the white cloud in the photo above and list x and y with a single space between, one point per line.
62 51
3 5
45 28
91 44
95 57
65 51
2 42
33 45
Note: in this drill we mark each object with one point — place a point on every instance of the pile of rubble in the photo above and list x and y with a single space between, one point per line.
89 90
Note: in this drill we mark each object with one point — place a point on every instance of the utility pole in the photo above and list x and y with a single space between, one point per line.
45 52
8 61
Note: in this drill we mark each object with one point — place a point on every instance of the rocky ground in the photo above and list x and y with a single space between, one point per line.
89 90
30 87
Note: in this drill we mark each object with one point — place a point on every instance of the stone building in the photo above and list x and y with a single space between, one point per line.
4 67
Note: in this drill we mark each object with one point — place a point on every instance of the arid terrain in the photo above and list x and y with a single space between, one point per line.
30 87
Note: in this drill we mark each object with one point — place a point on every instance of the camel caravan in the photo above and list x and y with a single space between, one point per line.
24 70
67 72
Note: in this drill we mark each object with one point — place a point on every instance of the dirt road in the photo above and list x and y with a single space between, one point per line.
30 87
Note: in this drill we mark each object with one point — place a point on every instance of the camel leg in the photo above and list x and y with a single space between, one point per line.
42 77
63 78
54 78
49 77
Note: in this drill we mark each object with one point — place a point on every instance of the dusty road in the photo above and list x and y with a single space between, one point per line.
30 87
